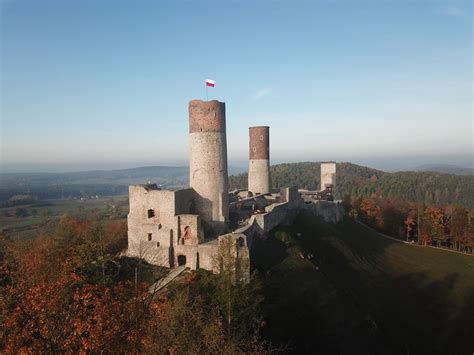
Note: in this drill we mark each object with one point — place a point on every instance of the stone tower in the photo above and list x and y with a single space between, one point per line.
328 175
259 160
208 164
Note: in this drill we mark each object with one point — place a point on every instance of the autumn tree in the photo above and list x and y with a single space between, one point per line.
432 228
369 212
458 225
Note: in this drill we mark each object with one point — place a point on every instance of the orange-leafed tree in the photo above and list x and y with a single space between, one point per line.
369 212
432 225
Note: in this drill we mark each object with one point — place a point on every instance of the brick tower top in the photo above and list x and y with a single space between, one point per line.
206 116
259 143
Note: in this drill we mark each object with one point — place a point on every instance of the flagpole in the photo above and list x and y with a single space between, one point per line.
207 96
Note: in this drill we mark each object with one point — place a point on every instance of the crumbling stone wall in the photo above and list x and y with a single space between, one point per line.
159 220
151 219
285 212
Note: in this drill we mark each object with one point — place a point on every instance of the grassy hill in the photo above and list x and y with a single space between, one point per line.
345 289
360 181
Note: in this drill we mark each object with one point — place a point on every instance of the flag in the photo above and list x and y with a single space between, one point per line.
210 83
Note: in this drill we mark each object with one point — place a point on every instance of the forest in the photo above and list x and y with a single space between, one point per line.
315 287
450 227
431 188
70 291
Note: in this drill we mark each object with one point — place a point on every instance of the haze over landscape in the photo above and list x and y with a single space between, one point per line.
105 85
318 199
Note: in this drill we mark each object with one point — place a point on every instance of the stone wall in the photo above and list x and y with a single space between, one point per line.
151 219
284 213
159 221
190 230
329 211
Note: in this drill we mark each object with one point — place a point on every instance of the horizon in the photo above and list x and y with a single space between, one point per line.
399 164
107 84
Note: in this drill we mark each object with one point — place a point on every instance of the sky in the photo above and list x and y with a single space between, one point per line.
106 84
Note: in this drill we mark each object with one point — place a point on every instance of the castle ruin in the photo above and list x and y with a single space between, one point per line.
188 227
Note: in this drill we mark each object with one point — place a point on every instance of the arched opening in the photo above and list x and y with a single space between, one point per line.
181 260
240 242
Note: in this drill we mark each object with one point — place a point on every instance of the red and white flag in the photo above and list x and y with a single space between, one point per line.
210 83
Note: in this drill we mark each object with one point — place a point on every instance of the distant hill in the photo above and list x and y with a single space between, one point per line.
352 179
91 183
360 181
445 168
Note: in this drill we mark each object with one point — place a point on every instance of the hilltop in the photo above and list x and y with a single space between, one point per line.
360 181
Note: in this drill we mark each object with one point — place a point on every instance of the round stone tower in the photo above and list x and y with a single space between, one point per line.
208 164
259 160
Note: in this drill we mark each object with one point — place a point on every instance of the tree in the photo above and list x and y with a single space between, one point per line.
458 225
392 219
369 212
432 228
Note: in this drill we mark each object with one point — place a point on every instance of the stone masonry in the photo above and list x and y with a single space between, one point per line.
328 175
191 226
259 160
208 163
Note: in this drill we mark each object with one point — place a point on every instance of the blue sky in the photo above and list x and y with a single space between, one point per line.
105 84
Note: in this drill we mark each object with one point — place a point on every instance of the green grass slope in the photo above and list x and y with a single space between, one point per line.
346 290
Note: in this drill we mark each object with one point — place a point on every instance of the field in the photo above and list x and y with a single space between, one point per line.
26 220
344 289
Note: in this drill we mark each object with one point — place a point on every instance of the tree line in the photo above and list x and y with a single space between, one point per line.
430 188
449 226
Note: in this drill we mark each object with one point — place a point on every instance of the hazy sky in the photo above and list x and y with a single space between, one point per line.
104 84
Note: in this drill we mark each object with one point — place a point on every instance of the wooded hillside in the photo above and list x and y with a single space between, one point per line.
360 181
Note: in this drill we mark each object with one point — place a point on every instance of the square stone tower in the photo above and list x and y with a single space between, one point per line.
328 175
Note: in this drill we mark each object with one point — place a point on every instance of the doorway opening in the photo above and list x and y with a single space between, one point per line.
181 260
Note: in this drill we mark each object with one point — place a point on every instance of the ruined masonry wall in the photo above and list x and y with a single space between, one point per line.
168 225
162 226
331 212
284 213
